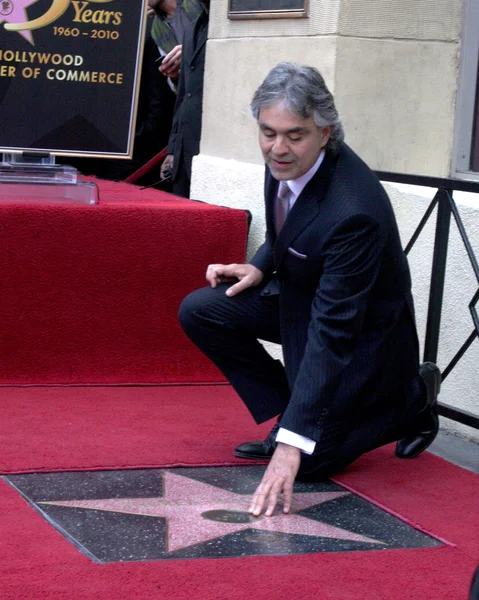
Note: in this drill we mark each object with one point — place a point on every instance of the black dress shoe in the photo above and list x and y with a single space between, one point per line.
259 450
426 425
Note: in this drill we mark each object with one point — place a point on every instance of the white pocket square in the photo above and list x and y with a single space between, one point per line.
297 254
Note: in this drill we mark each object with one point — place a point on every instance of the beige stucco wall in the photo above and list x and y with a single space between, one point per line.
393 68
398 114
392 65
397 100
434 20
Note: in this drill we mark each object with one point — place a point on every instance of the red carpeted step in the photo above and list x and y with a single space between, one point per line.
90 294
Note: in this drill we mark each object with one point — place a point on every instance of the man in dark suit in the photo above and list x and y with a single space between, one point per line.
184 142
331 283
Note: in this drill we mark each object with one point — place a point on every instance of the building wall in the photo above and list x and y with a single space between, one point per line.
392 66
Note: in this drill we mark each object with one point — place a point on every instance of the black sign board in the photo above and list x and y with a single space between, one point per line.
69 75
267 9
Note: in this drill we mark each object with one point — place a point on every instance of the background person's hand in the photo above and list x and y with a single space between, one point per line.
279 477
170 67
248 276
167 166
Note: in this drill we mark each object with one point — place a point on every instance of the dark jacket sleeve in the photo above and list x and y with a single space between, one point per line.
263 259
180 95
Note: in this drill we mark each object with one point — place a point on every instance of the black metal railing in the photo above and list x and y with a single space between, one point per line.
446 206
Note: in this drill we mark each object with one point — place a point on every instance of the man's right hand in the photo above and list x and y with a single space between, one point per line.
167 166
248 276
170 67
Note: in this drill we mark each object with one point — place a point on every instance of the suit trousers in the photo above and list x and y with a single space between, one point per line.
227 330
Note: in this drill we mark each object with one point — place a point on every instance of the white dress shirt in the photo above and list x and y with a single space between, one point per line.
296 186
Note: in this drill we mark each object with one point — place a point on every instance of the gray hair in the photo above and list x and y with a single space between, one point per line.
302 91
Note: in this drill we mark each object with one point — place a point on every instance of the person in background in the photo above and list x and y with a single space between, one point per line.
184 142
170 20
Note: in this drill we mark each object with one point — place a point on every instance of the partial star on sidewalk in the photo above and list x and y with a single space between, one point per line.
14 11
197 512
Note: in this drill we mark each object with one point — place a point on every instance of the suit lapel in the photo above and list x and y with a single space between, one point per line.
305 209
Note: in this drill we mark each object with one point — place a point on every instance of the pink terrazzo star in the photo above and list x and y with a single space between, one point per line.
185 502
14 11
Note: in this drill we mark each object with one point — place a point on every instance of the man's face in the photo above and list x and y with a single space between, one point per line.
290 144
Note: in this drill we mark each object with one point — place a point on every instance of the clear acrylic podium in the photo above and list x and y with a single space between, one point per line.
34 177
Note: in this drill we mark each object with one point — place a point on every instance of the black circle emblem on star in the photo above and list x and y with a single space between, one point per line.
229 516
6 7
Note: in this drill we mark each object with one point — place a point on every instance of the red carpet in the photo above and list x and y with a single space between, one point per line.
86 428
90 294
75 428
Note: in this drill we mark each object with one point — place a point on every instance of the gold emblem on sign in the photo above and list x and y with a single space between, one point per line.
55 11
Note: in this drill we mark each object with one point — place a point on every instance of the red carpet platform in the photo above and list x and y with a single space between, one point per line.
90 294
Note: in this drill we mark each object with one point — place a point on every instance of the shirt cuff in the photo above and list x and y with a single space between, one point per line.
305 444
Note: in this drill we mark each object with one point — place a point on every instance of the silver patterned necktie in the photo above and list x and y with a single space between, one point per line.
281 208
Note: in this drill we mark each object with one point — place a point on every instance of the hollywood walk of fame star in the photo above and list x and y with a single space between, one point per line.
17 14
197 512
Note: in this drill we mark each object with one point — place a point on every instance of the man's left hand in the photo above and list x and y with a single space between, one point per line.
279 477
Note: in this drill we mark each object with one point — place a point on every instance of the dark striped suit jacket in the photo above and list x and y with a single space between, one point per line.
347 321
